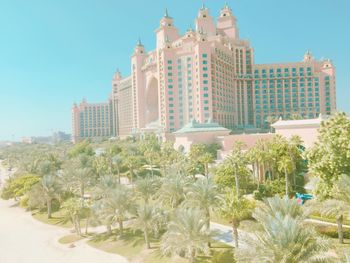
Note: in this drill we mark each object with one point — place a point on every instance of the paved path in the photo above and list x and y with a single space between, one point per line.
26 240
320 222
224 234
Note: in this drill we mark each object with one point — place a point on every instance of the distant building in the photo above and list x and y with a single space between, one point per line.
209 73
92 121
123 109
27 140
60 136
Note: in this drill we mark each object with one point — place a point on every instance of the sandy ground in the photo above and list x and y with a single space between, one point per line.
26 240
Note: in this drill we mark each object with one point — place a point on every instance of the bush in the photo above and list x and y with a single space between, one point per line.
24 202
36 198
20 186
270 189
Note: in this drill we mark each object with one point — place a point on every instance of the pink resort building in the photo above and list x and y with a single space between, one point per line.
208 74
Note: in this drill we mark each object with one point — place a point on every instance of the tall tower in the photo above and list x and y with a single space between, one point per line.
114 100
227 23
138 85
204 22
166 30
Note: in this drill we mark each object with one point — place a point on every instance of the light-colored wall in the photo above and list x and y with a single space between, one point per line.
249 141
307 134
187 139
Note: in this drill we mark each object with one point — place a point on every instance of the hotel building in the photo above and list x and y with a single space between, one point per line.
209 74
92 120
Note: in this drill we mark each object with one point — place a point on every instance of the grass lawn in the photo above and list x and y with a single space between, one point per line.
69 239
129 245
326 219
132 246
57 219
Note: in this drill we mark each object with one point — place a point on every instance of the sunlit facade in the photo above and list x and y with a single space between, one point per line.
209 74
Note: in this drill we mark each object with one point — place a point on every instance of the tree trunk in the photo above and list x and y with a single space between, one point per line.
110 166
148 245
118 174
87 225
237 183
257 173
49 207
121 228
340 229
287 183
207 215
193 256
82 193
235 233
109 229
78 224
263 172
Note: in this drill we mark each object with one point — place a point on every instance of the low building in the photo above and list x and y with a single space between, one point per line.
306 129
249 140
195 132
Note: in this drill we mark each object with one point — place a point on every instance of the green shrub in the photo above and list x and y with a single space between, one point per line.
270 189
24 202
19 186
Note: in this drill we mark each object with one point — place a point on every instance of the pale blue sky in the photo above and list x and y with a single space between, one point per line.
53 53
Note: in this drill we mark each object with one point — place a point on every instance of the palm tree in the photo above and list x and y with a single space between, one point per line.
172 191
203 194
187 235
235 210
147 187
285 165
145 220
261 157
117 162
105 186
338 209
74 211
51 189
117 206
252 157
133 163
79 175
294 152
110 154
206 159
284 239
279 206
239 161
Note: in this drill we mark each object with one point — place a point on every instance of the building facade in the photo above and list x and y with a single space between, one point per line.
92 121
209 73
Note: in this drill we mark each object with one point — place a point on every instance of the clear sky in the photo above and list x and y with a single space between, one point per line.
54 53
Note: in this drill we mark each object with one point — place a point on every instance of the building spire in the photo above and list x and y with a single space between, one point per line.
139 43
203 5
166 14
227 7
